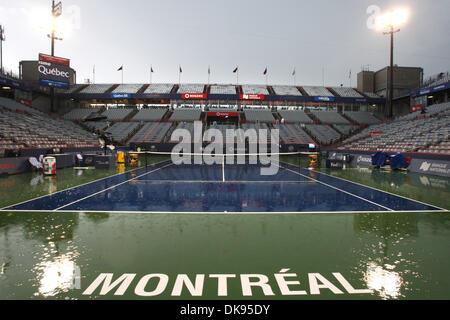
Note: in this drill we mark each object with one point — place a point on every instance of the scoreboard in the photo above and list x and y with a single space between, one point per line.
54 71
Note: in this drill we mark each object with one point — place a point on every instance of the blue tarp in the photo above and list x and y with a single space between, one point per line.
379 159
398 161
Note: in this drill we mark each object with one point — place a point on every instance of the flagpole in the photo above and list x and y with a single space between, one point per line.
237 76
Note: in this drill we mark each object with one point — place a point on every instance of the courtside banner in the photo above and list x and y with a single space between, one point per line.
223 114
252 97
194 96
416 108
54 60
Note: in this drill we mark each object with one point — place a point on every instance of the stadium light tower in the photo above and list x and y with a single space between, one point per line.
56 12
390 22
2 38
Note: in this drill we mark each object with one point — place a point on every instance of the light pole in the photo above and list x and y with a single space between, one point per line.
56 12
2 38
390 21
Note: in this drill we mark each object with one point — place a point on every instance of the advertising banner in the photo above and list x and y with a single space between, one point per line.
54 71
324 99
223 114
252 97
435 167
194 96
416 108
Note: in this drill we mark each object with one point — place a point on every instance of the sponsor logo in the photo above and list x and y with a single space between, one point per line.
434 167
189 96
425 166
252 97
120 95
48 69
326 99
6 166
363 159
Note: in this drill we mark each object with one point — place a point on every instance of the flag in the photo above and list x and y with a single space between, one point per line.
181 70
209 70
350 74
120 69
265 71
236 70
151 70
293 73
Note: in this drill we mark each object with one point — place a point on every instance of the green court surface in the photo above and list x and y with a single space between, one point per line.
182 256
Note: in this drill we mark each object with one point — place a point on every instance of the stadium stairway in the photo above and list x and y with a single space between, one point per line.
131 115
111 89
175 89
312 116
303 91
142 90
333 92
271 91
352 122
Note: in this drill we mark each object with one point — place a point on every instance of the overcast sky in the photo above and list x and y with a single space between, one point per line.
309 36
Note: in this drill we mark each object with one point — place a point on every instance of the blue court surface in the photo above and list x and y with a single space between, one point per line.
239 189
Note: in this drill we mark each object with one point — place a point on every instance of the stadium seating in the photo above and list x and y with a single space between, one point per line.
13 105
159 88
346 92
191 88
186 114
18 130
121 131
323 134
422 133
150 115
255 89
293 134
128 88
259 116
96 125
225 89
286 91
362 117
152 132
79 114
317 91
345 129
117 114
295 116
372 95
331 117
96 88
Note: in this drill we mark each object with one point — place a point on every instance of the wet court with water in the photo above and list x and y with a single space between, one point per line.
387 232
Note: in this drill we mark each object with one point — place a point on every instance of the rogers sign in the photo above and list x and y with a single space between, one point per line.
194 96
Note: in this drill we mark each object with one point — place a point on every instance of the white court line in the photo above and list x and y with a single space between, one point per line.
330 186
94 194
228 213
84 184
226 182
223 170
393 194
